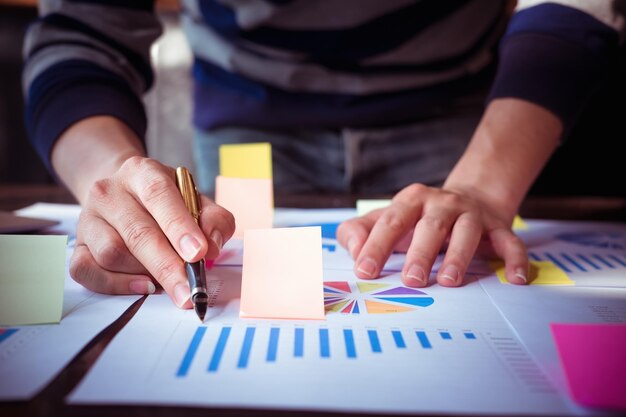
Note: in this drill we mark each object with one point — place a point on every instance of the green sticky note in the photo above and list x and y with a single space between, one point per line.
541 273
246 160
365 206
32 273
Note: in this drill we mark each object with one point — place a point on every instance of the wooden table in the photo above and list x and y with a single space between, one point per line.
50 401
14 196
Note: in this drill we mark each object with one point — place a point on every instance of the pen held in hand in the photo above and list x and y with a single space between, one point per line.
195 270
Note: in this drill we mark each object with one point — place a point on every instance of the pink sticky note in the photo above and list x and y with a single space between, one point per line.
593 357
250 200
283 273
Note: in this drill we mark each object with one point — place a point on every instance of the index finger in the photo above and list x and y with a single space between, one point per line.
155 188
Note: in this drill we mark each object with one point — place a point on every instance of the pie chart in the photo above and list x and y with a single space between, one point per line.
372 298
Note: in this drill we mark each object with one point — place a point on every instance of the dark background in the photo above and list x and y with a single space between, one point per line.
587 164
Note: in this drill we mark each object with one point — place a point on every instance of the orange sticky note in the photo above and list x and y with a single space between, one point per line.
250 200
282 273
593 359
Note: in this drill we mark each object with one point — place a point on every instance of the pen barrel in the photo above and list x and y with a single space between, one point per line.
189 192
197 277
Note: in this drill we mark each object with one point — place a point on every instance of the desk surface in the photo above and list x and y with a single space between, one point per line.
13 197
49 402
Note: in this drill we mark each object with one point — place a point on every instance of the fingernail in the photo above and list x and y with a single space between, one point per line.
217 238
416 273
351 245
181 294
451 273
367 267
521 274
140 286
189 246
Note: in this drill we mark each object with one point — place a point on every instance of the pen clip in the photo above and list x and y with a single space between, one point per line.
188 190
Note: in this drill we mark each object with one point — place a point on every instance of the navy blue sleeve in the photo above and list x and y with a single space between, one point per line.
87 58
74 90
554 56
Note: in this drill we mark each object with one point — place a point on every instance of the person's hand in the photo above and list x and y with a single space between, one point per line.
422 221
134 229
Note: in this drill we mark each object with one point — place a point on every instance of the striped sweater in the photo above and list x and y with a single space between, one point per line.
314 63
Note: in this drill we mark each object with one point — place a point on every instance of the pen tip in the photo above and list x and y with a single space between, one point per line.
200 311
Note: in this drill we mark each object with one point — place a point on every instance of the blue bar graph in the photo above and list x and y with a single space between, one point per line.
374 341
272 347
243 341
556 261
574 262
245 348
348 338
618 260
324 344
398 339
604 261
219 349
298 348
580 262
589 261
191 352
423 339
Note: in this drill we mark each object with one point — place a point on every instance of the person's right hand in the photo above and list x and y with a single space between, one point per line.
134 232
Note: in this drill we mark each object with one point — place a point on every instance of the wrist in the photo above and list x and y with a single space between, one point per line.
512 143
92 149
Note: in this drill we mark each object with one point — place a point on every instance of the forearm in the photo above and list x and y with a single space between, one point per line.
92 149
511 145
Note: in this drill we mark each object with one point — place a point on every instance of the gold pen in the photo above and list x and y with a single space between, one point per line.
195 270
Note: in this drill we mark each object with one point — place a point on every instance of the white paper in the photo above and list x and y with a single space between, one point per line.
531 309
31 356
451 351
482 348
475 363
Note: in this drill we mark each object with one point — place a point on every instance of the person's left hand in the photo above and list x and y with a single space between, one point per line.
424 220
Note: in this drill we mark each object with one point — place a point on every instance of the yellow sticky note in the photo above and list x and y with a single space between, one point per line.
246 160
32 273
541 273
282 273
519 224
250 200
365 206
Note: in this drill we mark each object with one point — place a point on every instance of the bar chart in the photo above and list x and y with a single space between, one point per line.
164 355
345 343
575 262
